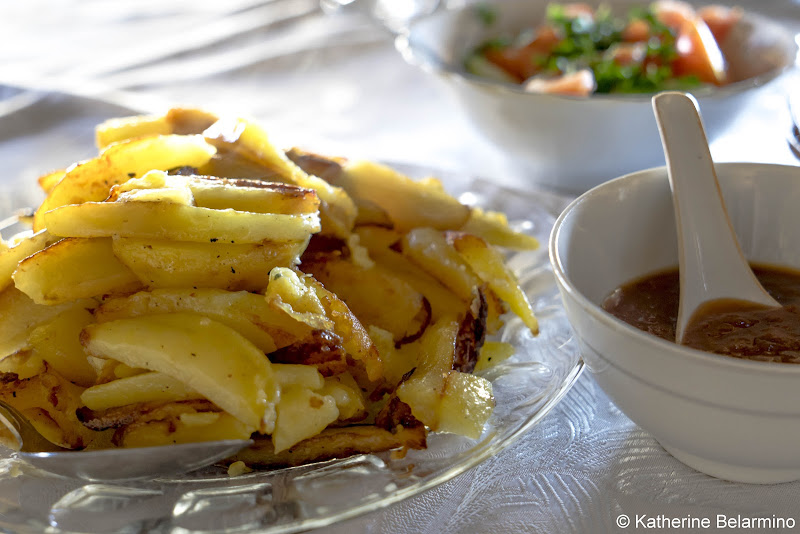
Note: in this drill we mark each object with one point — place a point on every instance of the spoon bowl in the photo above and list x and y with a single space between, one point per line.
714 274
108 465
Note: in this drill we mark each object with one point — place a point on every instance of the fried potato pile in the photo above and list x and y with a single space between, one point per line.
193 282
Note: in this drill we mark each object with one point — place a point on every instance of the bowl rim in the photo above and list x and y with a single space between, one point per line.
415 53
621 327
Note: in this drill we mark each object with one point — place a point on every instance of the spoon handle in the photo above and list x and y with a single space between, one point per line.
712 265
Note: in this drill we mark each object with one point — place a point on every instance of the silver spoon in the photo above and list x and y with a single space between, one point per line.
713 268
112 464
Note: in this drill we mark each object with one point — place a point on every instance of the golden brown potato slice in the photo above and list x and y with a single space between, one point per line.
467 403
58 343
48 181
424 389
19 314
332 443
302 413
338 211
375 296
490 266
91 180
176 121
408 203
145 387
207 356
167 220
74 269
162 263
247 313
429 249
24 247
493 227
227 193
124 128
49 402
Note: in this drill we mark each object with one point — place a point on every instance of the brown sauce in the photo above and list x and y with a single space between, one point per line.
772 335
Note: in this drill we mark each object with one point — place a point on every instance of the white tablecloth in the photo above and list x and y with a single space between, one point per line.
334 84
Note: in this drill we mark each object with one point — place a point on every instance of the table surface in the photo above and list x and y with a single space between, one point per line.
333 83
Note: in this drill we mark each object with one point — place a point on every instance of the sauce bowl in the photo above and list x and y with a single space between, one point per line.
730 418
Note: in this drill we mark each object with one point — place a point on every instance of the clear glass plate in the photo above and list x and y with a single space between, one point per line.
526 388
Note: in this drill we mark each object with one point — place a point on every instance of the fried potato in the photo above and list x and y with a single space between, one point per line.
332 443
24 247
467 403
49 402
247 313
424 389
302 413
160 263
145 387
409 204
57 342
91 180
185 428
373 295
492 227
19 314
74 269
227 193
167 220
48 181
207 356
429 249
124 128
338 211
490 266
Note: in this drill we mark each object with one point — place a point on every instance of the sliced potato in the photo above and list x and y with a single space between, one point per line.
167 220
205 355
48 181
492 353
19 314
490 266
160 263
57 342
423 391
493 227
143 387
240 194
121 129
375 296
332 443
409 204
186 428
247 313
338 210
302 414
24 247
91 180
467 403
429 249
50 403
74 269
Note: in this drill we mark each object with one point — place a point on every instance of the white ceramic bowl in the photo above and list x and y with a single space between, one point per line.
731 418
573 143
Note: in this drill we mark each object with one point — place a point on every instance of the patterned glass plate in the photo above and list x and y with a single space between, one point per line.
526 388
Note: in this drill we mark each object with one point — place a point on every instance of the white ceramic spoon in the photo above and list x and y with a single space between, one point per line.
712 266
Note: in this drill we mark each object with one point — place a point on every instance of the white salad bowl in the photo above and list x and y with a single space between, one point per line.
574 143
730 418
